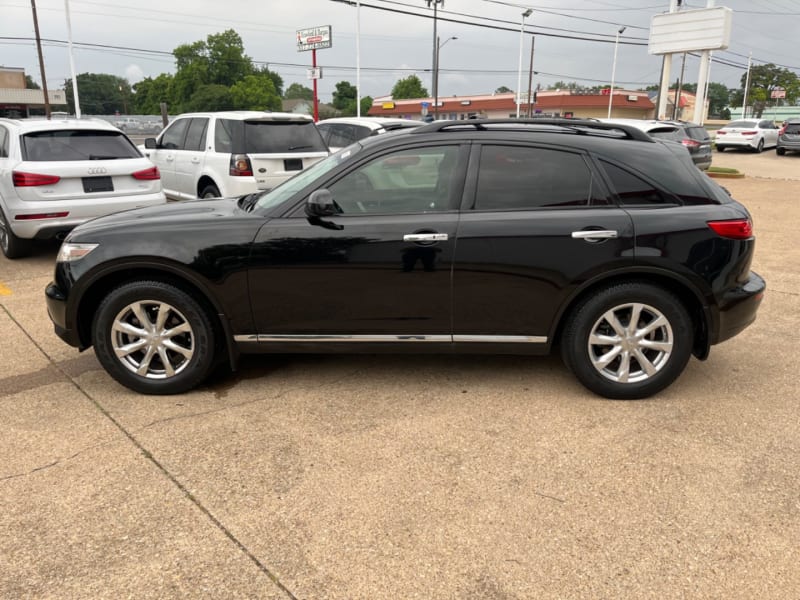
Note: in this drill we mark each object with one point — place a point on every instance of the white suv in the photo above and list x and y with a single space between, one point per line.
207 155
55 175
343 131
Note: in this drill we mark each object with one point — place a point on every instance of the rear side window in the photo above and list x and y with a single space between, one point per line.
276 137
3 142
77 144
630 188
518 178
698 133
196 136
340 135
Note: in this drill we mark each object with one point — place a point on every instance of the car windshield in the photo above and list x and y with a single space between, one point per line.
741 124
291 186
77 144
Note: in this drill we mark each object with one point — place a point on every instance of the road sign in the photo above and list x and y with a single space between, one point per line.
314 38
778 94
314 73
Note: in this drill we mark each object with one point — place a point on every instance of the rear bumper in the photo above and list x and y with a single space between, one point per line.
79 211
738 307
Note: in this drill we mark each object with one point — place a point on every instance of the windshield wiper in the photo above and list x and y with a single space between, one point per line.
246 203
300 147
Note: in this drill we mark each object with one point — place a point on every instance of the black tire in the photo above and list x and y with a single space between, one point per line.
780 151
127 305
12 246
760 147
666 348
720 148
210 191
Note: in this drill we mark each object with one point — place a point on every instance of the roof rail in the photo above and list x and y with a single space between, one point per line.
580 126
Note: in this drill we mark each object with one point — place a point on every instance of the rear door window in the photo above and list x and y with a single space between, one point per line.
631 189
196 135
518 178
77 144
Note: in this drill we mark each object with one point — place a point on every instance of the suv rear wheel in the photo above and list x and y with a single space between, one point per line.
628 341
12 246
210 191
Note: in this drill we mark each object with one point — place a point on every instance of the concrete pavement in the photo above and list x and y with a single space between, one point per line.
410 476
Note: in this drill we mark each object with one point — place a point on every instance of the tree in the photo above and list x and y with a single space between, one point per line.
563 85
344 98
366 104
255 92
503 90
718 98
297 91
100 93
410 87
149 93
210 97
763 80
30 84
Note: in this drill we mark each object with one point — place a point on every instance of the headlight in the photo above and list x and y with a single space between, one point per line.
70 252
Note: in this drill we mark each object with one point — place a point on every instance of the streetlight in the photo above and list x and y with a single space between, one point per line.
527 13
436 76
614 70
435 59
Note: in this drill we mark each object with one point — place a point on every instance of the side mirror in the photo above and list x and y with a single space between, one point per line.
150 143
321 204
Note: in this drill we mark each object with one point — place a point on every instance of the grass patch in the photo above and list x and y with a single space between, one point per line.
722 170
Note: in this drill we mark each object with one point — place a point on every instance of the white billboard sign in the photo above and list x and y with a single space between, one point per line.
691 30
314 38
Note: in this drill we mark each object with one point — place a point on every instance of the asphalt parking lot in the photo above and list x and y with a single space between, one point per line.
409 476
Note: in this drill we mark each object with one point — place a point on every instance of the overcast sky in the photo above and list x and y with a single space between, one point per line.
393 44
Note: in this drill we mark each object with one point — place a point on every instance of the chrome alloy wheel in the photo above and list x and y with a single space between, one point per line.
152 339
630 343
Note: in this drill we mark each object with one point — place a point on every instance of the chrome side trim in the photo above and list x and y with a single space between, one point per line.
493 339
502 339
341 338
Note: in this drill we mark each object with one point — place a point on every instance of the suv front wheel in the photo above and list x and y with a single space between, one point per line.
627 341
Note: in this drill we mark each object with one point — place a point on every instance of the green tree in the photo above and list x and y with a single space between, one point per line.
503 90
563 85
410 87
344 98
763 80
100 93
30 84
298 92
255 92
149 93
210 97
718 98
227 62
366 104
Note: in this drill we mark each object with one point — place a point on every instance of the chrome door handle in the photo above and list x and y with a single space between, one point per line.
425 237
597 234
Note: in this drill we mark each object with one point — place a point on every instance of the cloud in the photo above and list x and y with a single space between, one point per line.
134 73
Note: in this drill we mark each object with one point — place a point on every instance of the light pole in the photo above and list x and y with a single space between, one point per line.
436 76
527 13
614 70
435 59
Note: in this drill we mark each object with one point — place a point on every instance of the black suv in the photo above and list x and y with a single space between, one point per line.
484 236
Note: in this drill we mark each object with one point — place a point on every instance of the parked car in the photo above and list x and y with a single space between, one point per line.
128 124
788 137
489 236
696 140
55 175
752 134
208 155
343 131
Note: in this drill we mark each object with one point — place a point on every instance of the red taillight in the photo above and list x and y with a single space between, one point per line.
735 229
690 143
53 215
240 166
782 130
147 174
22 179
749 133
721 132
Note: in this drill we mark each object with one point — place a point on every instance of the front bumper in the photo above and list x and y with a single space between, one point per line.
57 310
738 307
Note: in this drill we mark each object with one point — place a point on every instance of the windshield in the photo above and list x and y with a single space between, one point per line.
291 186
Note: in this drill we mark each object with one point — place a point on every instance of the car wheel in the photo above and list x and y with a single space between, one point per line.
629 340
12 246
153 338
210 191
720 148
760 147
780 151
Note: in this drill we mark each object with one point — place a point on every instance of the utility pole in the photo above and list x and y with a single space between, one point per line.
746 86
678 91
666 72
435 61
530 79
41 60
